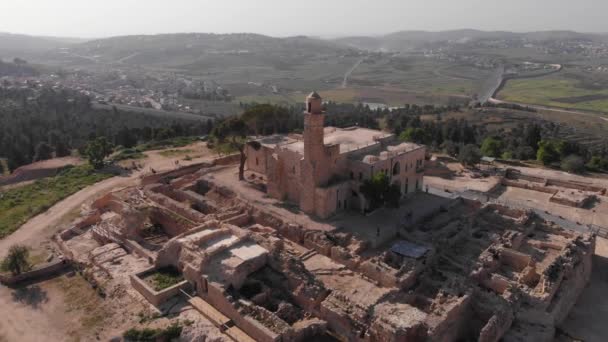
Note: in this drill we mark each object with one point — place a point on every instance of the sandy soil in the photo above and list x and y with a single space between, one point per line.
587 320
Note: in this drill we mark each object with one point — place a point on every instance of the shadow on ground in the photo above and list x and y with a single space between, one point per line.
31 295
587 320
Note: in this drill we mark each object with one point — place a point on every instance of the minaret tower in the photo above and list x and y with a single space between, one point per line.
314 152
314 120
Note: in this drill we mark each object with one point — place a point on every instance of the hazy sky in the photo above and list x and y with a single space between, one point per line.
99 18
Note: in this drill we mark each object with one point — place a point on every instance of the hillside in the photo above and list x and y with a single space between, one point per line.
409 40
13 45
189 48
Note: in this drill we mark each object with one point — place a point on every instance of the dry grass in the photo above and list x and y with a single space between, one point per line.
80 297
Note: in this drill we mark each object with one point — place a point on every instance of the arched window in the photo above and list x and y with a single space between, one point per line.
396 169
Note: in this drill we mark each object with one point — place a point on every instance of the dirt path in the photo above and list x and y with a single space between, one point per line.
40 228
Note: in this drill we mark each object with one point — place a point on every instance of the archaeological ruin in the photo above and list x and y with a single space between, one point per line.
262 269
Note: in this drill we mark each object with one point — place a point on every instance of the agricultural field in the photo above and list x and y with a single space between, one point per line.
392 81
563 90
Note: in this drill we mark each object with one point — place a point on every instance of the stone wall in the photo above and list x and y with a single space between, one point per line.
156 298
45 270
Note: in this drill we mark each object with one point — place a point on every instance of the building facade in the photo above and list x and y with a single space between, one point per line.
323 169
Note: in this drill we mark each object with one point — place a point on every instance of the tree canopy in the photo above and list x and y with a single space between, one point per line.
233 132
379 192
491 147
17 260
97 150
469 155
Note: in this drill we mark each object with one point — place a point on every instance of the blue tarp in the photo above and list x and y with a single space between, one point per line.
408 249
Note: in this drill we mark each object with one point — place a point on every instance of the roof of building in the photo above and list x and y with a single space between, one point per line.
350 139
272 141
390 152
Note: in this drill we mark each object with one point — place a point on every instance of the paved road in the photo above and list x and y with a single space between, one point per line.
349 72
491 84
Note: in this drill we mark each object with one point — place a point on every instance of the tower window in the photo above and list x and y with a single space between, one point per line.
257 161
309 107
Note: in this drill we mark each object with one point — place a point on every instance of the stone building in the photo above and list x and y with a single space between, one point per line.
323 169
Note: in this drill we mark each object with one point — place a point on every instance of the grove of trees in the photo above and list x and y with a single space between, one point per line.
38 124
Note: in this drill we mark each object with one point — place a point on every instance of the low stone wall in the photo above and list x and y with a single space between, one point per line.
134 247
516 174
155 297
217 298
575 202
496 327
539 188
157 178
45 270
228 160
577 186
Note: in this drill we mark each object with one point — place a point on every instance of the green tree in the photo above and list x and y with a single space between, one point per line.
97 150
417 135
17 260
43 152
379 192
597 163
507 155
233 133
265 118
469 155
524 153
532 136
450 148
573 163
547 152
491 147
125 138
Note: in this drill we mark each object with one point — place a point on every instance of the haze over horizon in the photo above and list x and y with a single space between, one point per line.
86 19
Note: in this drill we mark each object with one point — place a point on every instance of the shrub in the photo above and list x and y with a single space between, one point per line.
573 163
469 155
165 278
491 147
169 333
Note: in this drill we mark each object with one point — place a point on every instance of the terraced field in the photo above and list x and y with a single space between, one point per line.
556 91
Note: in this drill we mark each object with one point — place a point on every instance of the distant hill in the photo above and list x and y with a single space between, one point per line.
15 45
406 40
190 48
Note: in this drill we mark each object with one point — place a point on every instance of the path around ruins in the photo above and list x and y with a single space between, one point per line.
41 227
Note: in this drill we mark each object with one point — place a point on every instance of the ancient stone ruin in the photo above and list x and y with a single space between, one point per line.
467 272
